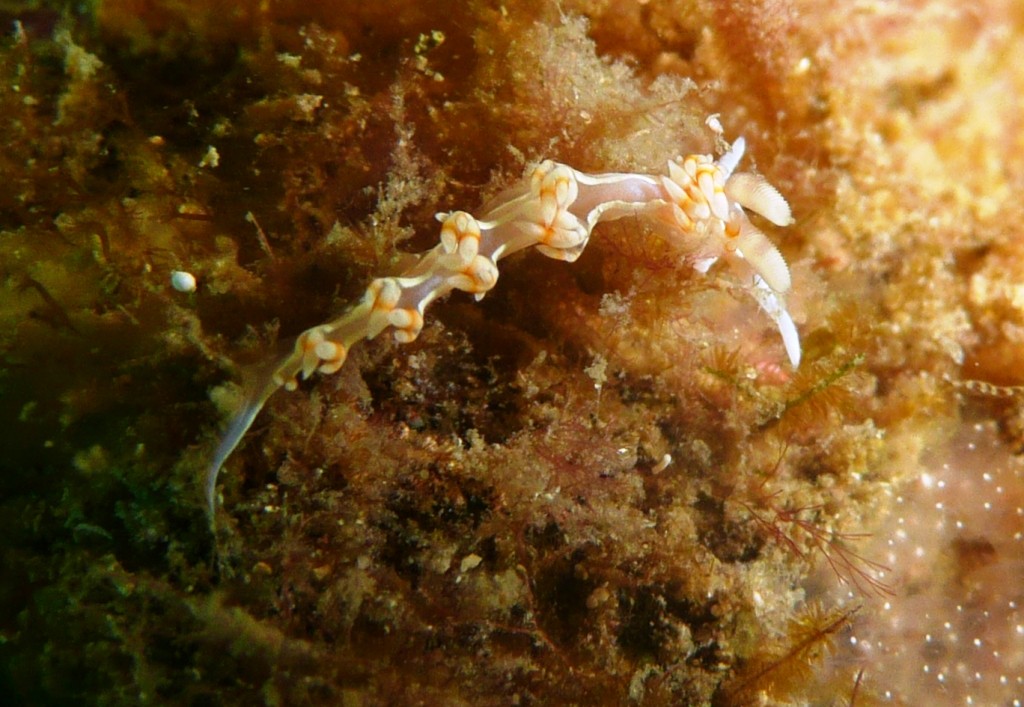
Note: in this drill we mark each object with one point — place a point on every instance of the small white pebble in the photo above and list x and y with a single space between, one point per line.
183 281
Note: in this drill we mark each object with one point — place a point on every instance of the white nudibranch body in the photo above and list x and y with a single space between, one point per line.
700 202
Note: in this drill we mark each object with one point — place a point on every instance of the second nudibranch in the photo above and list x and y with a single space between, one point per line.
700 202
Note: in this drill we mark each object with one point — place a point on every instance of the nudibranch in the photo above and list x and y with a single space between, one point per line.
700 203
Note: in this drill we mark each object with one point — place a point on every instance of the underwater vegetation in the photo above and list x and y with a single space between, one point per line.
605 482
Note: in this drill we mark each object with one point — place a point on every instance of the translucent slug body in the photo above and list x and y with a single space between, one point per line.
701 202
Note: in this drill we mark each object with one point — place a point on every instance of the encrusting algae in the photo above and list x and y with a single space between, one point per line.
603 484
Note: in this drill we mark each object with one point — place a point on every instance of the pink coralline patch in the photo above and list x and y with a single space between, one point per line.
955 542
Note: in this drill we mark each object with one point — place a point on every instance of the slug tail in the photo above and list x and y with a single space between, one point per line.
259 390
